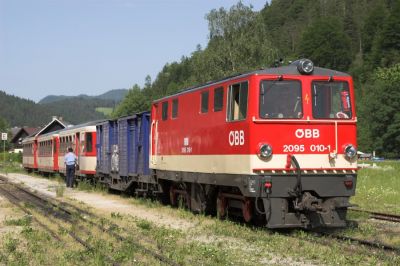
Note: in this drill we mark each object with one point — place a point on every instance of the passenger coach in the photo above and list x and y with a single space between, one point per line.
82 138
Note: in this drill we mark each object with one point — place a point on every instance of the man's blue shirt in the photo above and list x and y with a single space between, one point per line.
70 158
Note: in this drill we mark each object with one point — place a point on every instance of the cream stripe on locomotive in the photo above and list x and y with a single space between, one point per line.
247 164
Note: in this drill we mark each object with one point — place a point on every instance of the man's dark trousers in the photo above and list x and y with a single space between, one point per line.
70 175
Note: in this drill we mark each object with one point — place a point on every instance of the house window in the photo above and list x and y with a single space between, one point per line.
218 99
164 110
237 104
204 102
174 108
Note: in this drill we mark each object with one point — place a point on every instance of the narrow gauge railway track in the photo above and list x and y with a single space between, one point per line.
379 215
346 239
68 213
18 196
358 241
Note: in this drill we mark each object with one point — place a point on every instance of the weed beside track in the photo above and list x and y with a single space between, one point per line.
79 224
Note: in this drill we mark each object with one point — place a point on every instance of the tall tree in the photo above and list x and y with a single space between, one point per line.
326 44
135 101
380 112
388 42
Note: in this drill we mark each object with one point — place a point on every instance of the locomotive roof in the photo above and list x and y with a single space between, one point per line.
282 70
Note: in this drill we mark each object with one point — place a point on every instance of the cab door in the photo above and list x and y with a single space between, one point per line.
154 135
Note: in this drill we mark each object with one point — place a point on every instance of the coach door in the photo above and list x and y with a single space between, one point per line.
78 148
55 153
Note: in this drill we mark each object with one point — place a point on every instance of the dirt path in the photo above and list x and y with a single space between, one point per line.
106 203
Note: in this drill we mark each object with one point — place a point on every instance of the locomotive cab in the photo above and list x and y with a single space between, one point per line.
304 134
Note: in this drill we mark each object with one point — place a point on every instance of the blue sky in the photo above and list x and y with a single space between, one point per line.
71 47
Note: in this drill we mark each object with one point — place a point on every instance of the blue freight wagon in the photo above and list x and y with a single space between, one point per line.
128 162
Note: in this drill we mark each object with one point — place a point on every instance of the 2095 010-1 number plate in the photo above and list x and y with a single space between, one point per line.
306 148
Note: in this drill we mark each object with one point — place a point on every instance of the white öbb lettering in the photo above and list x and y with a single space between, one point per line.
236 138
307 133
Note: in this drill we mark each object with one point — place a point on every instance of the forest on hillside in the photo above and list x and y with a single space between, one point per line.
19 112
360 37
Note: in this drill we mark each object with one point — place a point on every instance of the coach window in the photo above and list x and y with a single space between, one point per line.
174 108
237 103
331 99
204 102
280 99
218 99
89 142
164 111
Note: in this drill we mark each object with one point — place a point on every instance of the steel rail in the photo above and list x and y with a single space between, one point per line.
15 200
373 244
379 215
56 214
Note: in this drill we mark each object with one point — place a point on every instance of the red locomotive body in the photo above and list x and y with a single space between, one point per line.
277 145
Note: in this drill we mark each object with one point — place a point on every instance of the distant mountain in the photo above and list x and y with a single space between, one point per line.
53 98
114 95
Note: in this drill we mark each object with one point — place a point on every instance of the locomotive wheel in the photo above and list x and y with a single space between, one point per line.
247 210
221 207
172 196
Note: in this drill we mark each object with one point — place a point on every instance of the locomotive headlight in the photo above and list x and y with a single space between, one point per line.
265 150
350 151
305 66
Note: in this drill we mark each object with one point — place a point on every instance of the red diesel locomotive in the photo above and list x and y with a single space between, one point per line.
276 145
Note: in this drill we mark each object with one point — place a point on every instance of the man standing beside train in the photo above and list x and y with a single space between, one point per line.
70 162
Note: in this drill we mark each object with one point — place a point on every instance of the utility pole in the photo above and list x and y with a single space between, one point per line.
4 138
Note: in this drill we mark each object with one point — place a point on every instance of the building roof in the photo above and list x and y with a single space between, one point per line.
21 133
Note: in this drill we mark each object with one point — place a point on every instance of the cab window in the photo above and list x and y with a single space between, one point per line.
280 99
218 99
204 102
164 111
237 103
174 108
331 100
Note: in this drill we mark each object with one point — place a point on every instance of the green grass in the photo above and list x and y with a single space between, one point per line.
378 188
11 162
105 110
23 221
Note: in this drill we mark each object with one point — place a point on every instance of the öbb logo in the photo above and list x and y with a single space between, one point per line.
236 138
307 133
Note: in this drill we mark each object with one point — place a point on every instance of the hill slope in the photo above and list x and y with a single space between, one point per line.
113 95
22 112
